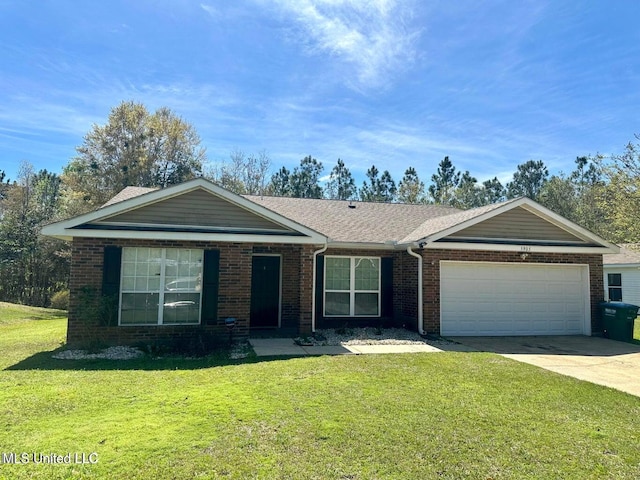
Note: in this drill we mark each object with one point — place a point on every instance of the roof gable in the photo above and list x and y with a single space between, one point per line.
194 210
517 223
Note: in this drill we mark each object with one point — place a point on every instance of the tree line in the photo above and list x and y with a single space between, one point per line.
136 147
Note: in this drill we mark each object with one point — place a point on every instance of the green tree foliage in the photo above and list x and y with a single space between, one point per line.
468 194
4 186
305 179
411 188
340 185
134 148
493 191
528 180
32 267
378 188
445 181
243 174
577 196
620 197
280 185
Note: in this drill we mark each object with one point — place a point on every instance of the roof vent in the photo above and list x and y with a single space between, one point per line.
351 205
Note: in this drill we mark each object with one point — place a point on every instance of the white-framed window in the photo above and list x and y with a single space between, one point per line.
351 286
160 286
614 281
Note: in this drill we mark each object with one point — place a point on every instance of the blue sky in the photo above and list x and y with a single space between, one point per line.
393 83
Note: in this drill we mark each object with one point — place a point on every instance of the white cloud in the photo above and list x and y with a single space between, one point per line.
209 9
373 36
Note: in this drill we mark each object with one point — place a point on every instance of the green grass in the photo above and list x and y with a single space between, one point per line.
636 331
12 313
445 415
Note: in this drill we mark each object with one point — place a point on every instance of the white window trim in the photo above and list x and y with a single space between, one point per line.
161 293
617 287
352 291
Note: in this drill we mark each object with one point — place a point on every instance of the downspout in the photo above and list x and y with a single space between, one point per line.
420 306
313 291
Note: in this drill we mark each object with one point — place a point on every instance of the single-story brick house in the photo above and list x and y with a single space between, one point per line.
176 262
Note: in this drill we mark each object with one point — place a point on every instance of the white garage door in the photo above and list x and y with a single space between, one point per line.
478 298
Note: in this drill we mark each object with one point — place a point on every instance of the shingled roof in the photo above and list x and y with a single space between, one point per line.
127 193
432 226
336 221
351 221
629 254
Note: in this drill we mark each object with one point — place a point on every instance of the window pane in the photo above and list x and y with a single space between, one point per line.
336 303
337 273
615 294
366 304
142 270
184 270
139 309
181 308
367 273
615 279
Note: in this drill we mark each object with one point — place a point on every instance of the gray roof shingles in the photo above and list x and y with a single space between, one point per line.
629 254
128 193
367 222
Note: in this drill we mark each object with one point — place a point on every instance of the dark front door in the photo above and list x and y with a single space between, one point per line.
265 291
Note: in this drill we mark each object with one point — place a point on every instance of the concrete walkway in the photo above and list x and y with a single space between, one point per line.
596 360
269 347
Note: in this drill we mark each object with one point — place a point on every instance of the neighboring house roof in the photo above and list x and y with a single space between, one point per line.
629 255
201 210
351 221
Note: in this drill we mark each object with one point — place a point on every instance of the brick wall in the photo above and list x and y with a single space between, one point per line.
431 276
234 296
297 286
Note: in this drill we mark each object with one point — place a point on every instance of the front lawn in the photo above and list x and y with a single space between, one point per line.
443 415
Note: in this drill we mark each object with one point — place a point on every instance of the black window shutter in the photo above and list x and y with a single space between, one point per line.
210 280
111 283
387 286
319 293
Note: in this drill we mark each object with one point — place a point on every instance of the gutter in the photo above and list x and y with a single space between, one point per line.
313 291
420 306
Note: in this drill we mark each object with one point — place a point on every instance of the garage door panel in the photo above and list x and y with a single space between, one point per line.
482 298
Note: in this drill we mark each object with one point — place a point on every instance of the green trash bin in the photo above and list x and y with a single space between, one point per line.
618 319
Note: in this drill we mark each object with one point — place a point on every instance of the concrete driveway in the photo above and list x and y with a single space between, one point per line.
597 360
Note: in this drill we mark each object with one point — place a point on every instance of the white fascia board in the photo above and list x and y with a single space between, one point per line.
63 229
613 266
495 247
187 236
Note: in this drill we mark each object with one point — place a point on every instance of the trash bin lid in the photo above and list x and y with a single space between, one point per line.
610 308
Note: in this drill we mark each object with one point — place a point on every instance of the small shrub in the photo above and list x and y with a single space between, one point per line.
60 300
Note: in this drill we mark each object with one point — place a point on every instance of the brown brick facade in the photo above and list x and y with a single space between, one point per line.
234 295
431 276
234 298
